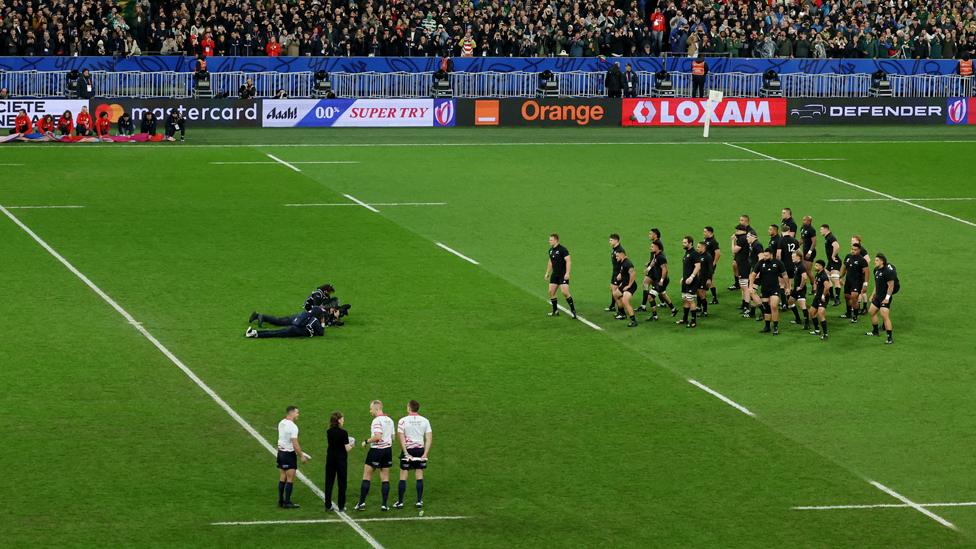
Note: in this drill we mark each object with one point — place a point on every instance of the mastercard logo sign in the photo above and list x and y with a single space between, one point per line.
114 111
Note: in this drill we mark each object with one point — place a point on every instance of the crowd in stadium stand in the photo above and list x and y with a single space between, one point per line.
799 28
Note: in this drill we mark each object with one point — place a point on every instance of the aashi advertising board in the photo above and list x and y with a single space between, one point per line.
362 113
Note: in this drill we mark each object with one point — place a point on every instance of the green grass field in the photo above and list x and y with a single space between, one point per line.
547 431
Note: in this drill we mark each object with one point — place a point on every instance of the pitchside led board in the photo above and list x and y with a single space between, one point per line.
363 113
37 108
693 112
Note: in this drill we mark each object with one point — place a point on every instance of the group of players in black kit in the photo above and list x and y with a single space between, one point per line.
770 278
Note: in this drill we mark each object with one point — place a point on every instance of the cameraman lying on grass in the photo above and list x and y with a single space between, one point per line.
323 297
304 324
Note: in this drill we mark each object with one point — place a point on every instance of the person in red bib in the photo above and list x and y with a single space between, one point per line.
45 124
83 125
22 124
102 126
66 124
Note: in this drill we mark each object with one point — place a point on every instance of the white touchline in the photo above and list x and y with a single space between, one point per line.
855 185
361 203
280 161
371 204
912 504
881 506
580 318
293 162
457 253
327 521
767 159
43 207
721 397
183 367
891 200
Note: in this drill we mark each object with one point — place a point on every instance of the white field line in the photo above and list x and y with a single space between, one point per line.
11 164
183 367
854 185
457 253
913 505
361 203
881 506
580 318
280 161
890 200
721 397
43 207
327 521
371 204
159 147
768 160
305 162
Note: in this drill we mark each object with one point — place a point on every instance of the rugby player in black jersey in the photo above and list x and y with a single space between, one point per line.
704 276
713 250
808 240
614 267
691 267
737 274
865 297
856 274
821 296
798 293
557 273
771 275
787 245
787 221
660 275
886 281
832 250
626 288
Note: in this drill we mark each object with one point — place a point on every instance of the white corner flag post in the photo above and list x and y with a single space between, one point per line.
714 98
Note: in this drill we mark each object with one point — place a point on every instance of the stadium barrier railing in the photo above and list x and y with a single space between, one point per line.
39 84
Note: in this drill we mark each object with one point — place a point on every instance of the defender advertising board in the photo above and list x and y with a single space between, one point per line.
867 110
692 112
364 113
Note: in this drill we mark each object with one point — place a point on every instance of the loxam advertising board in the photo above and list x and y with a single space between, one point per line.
693 112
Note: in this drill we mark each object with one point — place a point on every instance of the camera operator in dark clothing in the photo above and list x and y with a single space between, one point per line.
125 124
322 297
247 90
304 324
148 124
175 123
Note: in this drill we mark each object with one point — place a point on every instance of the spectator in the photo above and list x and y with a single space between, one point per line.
273 48
4 93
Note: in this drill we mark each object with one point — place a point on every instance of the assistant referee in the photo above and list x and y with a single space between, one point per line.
289 452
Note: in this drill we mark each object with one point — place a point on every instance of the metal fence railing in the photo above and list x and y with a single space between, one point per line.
33 84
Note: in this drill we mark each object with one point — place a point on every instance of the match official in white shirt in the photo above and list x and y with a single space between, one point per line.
289 452
415 436
380 455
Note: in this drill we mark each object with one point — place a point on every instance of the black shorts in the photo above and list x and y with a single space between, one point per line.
690 288
559 278
878 299
812 257
379 458
767 293
287 460
743 267
833 265
798 294
817 302
408 464
632 288
663 286
853 286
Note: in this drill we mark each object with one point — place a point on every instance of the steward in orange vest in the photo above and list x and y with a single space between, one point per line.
699 69
965 66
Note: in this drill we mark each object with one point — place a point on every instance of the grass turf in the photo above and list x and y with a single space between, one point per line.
546 431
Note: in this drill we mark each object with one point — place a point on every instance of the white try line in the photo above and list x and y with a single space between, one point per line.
280 161
457 253
293 162
721 397
329 521
183 367
371 204
770 160
361 203
891 200
43 207
912 504
880 506
854 185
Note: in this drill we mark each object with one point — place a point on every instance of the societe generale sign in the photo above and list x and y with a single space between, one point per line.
692 112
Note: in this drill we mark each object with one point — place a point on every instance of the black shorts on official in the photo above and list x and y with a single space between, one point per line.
379 458
878 299
408 464
559 279
287 460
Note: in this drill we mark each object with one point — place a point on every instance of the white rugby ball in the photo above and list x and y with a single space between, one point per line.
352 440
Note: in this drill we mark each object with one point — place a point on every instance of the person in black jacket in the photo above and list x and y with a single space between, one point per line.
148 124
629 82
337 460
125 124
175 123
86 85
614 81
303 324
